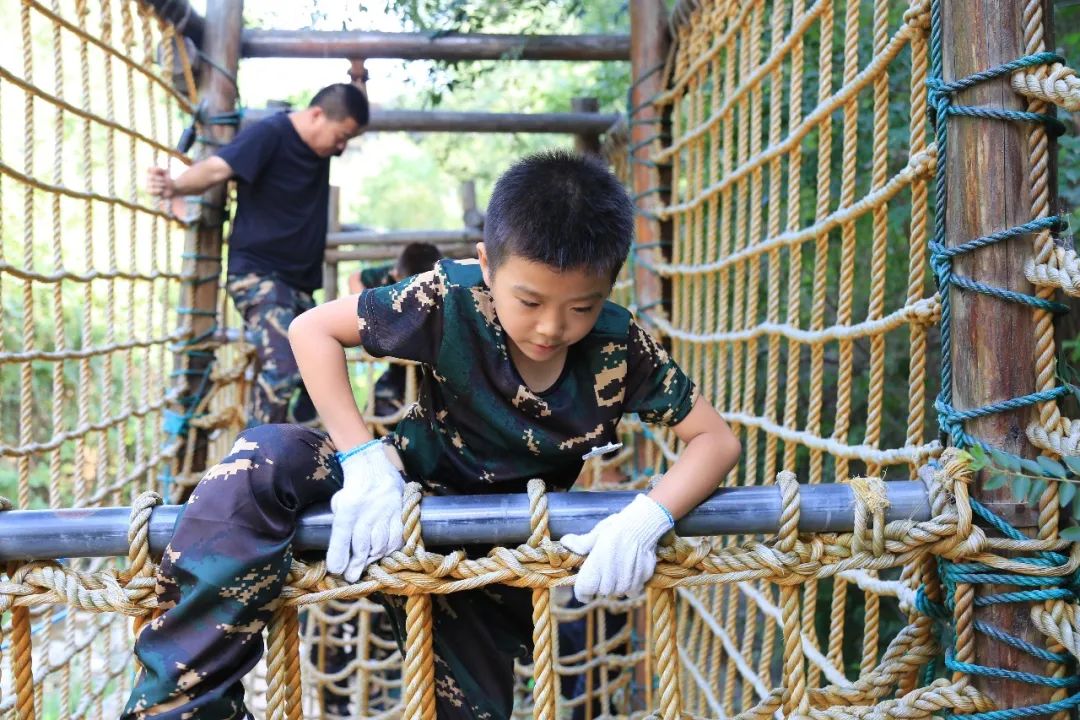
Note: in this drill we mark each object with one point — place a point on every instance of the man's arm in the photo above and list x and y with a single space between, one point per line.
193 181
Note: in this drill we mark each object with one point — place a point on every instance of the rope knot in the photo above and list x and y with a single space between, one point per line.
917 15
788 536
410 519
139 535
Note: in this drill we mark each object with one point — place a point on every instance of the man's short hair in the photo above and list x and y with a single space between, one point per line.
564 210
340 101
417 258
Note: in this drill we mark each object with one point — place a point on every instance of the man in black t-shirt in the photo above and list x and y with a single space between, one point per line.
282 168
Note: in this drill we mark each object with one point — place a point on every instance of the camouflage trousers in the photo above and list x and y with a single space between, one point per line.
268 305
222 573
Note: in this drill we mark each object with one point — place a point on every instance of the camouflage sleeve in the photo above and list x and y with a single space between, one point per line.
656 387
404 320
375 276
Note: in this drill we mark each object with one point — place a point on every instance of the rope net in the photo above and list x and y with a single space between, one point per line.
802 300
90 280
794 178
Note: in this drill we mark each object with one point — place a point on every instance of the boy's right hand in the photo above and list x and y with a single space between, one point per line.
367 513
159 183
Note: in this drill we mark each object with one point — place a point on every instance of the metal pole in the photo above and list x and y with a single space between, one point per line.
422 46
466 519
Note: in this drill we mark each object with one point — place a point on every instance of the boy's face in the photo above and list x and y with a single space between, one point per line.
543 310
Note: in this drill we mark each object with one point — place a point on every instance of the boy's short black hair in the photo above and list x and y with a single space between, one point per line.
417 258
340 101
562 209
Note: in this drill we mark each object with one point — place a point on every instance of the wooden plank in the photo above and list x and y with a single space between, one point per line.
993 346
424 46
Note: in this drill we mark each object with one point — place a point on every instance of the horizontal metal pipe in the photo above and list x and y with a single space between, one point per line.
402 237
423 46
480 122
466 519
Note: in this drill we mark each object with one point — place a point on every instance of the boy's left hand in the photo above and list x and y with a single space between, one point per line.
621 550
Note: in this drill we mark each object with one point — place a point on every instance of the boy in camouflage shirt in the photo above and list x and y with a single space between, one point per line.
526 368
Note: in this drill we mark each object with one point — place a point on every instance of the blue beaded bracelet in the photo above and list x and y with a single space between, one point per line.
670 517
343 456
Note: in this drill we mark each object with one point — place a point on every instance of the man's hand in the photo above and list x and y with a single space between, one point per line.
621 550
159 183
367 513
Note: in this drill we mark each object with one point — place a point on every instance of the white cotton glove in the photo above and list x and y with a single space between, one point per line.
621 550
367 512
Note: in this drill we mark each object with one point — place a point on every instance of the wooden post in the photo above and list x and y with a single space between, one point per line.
358 74
471 215
330 264
202 247
993 342
586 142
649 43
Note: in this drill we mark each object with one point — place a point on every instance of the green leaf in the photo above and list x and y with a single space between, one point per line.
978 457
1052 467
1004 460
1020 487
1037 488
1066 493
1030 466
1073 462
1072 534
1076 506
995 481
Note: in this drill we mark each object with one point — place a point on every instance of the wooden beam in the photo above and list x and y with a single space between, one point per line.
584 123
423 46
993 342
403 237
390 252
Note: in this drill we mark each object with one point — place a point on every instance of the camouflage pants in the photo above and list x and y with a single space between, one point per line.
268 305
222 574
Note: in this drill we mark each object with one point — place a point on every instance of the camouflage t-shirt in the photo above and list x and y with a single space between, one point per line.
477 428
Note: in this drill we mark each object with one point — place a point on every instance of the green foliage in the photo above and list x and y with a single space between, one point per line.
1028 479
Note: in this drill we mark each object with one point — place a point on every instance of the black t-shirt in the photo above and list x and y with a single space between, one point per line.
283 189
